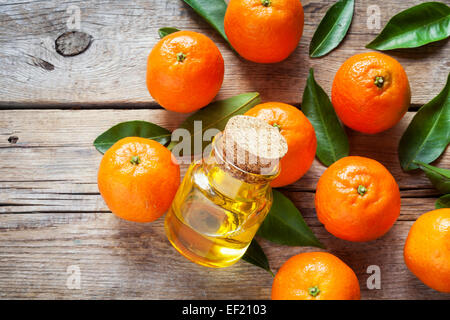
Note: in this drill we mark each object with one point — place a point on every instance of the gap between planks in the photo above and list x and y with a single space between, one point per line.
117 106
113 68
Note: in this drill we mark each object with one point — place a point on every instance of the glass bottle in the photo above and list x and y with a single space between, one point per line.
218 209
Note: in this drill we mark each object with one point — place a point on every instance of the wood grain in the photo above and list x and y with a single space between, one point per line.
54 157
53 165
52 217
120 259
51 214
112 70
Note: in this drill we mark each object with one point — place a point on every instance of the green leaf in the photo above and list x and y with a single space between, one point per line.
131 129
213 11
256 256
440 178
215 116
428 134
414 27
332 29
443 202
166 31
285 225
332 141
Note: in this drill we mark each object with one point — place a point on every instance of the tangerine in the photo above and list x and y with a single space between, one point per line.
264 31
138 179
184 71
357 199
371 92
427 249
315 276
299 134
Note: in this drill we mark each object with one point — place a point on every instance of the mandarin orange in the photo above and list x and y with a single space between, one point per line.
299 134
138 179
427 249
185 71
315 276
264 31
357 199
371 92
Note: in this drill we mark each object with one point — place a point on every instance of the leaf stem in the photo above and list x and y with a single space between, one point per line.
171 145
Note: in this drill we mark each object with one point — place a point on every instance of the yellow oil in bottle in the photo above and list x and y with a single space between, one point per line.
215 214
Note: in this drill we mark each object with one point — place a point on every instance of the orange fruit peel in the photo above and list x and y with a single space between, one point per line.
138 179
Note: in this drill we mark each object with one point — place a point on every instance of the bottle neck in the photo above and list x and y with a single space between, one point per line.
232 181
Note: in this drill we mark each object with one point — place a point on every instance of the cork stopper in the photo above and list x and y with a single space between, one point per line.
253 146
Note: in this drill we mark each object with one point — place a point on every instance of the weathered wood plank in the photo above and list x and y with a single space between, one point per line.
52 217
113 69
51 214
53 165
120 259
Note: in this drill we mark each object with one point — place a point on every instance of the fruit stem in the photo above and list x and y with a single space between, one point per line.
135 160
276 125
181 56
266 3
379 81
362 190
314 291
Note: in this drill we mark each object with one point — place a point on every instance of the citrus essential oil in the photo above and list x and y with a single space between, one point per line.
216 212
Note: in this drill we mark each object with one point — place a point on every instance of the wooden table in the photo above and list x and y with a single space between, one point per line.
54 222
